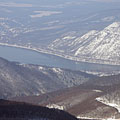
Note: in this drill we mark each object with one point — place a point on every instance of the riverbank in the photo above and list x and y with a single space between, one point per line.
72 58
30 55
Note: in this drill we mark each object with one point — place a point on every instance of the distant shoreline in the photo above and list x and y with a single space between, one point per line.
36 50
55 54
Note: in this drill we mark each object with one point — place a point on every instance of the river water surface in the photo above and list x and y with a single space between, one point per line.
32 57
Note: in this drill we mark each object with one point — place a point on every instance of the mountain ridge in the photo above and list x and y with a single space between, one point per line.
23 79
94 46
12 110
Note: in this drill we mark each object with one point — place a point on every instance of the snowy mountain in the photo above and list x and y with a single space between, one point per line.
95 46
22 80
92 99
98 98
111 87
80 102
39 23
48 27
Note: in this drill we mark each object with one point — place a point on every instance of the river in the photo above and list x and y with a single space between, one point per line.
32 57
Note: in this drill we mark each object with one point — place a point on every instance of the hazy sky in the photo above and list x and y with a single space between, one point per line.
106 0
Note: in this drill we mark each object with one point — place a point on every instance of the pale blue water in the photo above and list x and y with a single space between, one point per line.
32 57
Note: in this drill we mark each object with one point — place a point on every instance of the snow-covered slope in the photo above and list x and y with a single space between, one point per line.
23 80
95 46
112 98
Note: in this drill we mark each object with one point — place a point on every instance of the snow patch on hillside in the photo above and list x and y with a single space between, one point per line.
99 91
55 106
106 102
39 14
57 70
